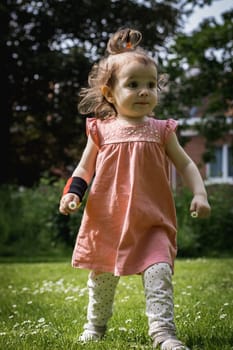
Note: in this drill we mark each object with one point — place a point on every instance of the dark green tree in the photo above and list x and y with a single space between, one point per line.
200 72
200 67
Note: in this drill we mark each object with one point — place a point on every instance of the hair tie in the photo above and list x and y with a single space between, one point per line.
128 45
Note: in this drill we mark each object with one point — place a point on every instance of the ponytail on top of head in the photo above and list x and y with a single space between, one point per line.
123 40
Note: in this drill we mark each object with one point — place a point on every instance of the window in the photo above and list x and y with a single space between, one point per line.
221 169
215 167
230 161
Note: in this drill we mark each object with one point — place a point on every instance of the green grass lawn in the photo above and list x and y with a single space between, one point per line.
43 306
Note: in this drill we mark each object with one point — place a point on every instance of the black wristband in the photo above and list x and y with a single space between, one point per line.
76 185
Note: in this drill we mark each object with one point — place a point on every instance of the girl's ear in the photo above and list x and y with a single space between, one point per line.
106 92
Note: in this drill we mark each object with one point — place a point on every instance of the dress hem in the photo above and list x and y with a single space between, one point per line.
121 271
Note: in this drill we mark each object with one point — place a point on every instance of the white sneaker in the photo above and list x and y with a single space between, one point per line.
89 336
173 344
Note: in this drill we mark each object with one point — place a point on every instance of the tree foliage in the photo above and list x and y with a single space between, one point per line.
47 48
200 69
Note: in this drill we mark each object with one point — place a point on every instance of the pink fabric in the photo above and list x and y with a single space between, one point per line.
129 222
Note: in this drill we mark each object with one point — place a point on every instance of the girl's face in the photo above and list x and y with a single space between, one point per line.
134 93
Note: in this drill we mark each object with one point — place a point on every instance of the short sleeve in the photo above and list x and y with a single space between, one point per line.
170 126
92 130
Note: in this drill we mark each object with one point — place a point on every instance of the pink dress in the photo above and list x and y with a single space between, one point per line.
129 221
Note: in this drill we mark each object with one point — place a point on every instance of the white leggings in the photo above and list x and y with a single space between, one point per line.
157 282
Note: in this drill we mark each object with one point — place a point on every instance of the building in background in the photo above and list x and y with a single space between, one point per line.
219 169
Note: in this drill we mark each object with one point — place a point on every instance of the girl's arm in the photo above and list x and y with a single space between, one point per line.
190 174
86 166
85 169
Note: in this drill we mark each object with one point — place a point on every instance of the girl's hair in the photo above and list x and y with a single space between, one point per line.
122 43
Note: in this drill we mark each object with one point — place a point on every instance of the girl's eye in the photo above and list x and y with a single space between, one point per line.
133 84
152 85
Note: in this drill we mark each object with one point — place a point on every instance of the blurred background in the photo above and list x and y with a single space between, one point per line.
46 51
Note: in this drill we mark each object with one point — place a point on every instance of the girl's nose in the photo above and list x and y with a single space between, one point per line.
143 92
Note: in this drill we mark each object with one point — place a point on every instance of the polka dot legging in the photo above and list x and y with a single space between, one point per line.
157 282
102 287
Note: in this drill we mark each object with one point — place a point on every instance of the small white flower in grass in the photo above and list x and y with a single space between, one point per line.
197 317
226 304
44 325
29 302
129 287
125 299
41 320
128 321
2 333
26 322
111 329
14 306
221 317
122 329
11 316
60 282
82 292
185 293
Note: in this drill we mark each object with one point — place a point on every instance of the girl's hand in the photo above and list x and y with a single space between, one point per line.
69 203
200 206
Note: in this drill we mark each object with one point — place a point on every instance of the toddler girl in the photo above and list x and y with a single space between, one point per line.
129 222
